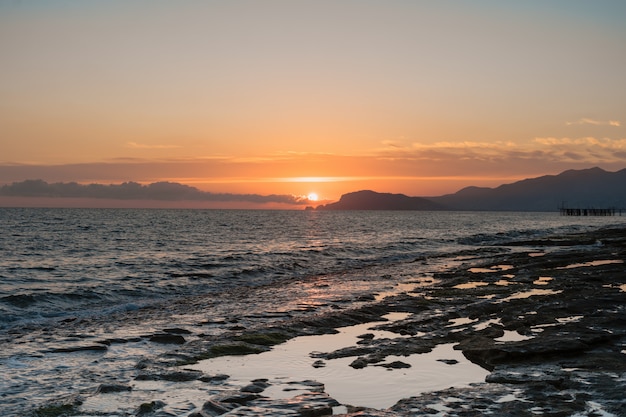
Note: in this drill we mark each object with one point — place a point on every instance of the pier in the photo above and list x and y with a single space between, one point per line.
566 211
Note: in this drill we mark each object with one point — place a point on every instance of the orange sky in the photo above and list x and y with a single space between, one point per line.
284 97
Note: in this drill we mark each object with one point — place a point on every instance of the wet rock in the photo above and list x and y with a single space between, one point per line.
146 409
487 353
241 398
238 348
448 361
253 388
112 388
262 382
54 410
119 340
269 338
176 330
319 364
313 386
551 374
395 365
214 408
359 363
311 404
173 376
214 378
167 338
79 348
251 411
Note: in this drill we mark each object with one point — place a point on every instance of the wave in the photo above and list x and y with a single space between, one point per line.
82 266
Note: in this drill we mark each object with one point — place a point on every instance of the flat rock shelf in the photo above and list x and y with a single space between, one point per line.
539 326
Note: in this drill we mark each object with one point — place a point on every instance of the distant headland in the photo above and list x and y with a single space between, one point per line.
592 188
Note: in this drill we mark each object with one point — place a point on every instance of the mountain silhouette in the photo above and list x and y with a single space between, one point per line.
586 188
371 200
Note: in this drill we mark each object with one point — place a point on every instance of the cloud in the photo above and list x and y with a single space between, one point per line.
604 143
587 121
135 145
160 191
241 179
545 154
392 144
588 149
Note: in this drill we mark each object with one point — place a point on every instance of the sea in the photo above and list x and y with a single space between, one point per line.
59 265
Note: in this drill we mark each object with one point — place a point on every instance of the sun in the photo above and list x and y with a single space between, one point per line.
312 197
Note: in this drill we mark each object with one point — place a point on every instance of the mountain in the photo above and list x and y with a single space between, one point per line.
587 188
371 200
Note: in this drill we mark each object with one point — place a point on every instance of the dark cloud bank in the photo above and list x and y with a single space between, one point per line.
159 191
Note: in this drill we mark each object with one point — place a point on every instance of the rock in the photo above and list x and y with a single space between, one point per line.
315 411
213 378
176 330
359 363
550 374
262 382
149 408
319 364
167 338
80 348
239 398
314 386
214 408
173 376
253 388
108 388
395 365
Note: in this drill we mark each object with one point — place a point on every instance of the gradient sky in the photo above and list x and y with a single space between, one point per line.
417 97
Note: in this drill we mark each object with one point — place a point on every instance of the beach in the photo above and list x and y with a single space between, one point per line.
533 327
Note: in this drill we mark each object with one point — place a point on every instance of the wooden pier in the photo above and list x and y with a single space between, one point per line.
566 211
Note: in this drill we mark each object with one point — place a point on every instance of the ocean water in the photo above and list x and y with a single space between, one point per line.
63 264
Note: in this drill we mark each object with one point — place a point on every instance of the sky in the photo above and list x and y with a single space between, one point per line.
299 97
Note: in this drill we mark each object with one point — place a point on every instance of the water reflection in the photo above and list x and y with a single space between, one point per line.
593 263
372 386
531 293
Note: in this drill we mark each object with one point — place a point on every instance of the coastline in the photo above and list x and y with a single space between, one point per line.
543 317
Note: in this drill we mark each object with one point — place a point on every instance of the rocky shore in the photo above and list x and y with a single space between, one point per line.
546 318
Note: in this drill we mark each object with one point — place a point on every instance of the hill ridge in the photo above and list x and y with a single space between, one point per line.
584 188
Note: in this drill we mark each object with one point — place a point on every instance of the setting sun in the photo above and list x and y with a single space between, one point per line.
312 197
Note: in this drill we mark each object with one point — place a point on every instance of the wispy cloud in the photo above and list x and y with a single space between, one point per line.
603 143
588 121
478 156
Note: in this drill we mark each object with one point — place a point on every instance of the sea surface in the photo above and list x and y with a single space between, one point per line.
63 264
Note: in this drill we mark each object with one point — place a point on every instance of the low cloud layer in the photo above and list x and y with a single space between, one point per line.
588 121
160 191
403 165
